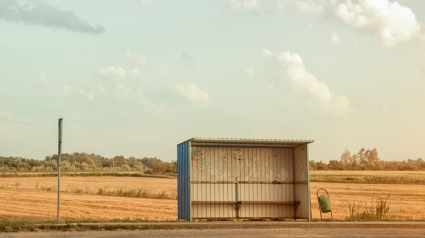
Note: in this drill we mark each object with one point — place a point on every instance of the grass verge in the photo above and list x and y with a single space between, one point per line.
376 211
368 179
87 174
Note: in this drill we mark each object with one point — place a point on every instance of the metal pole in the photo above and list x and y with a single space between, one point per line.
293 179
59 185
60 123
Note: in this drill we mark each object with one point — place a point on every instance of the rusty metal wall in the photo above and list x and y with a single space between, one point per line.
302 193
261 179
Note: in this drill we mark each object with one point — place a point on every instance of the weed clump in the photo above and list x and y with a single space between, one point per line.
378 211
139 193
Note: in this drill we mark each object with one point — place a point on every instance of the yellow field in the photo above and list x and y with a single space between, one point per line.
407 201
34 199
91 184
30 205
367 172
369 176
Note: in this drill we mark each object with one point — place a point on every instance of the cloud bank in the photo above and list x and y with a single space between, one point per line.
133 60
113 73
305 7
291 70
249 71
41 13
244 5
389 22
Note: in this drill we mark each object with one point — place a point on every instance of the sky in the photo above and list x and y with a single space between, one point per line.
137 77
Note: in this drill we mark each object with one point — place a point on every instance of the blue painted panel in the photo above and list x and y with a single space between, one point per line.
183 181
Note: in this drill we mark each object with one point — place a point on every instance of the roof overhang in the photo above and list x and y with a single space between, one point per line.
234 142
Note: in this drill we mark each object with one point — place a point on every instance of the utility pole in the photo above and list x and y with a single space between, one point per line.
60 124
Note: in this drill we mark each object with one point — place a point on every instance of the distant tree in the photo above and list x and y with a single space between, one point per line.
312 165
354 161
346 156
362 156
333 164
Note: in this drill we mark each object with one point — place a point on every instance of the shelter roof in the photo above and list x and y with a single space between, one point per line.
248 142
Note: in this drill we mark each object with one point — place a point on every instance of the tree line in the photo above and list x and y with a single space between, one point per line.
362 160
88 162
367 160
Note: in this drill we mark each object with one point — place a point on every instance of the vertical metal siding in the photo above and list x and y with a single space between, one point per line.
301 175
215 171
183 181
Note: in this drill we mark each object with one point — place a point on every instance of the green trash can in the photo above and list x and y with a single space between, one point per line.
325 204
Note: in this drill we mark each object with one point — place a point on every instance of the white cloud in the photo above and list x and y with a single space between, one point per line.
89 96
42 80
195 95
146 102
249 71
133 73
6 114
244 5
131 59
305 7
386 108
311 27
291 69
100 87
389 22
141 97
145 2
123 88
41 13
335 38
66 88
112 72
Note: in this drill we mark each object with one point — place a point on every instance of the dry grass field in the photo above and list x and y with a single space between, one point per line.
369 176
91 185
406 190
34 198
31 205
406 201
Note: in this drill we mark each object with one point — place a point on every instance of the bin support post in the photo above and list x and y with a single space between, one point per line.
293 180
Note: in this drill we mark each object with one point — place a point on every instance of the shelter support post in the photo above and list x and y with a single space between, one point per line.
310 214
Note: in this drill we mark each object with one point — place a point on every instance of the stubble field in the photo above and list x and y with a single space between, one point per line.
109 198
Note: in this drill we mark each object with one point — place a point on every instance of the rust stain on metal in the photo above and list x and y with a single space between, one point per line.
236 153
194 162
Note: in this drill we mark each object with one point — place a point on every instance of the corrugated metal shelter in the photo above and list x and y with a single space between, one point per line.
243 179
